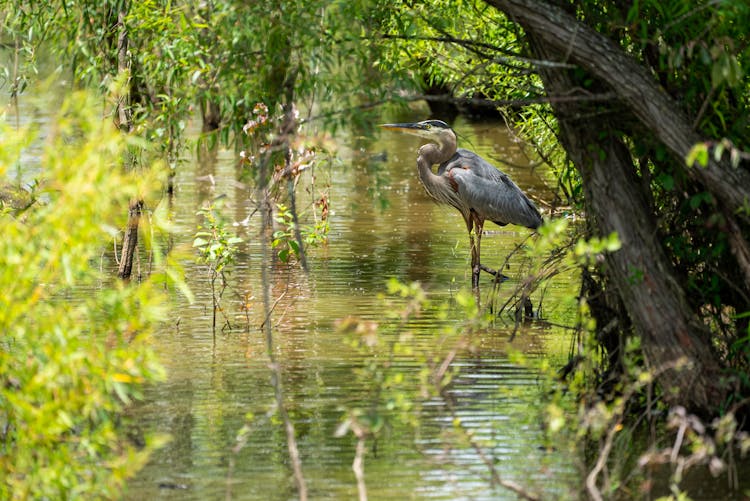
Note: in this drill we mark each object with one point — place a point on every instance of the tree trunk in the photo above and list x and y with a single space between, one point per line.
125 123
211 114
641 272
124 113
670 332
130 240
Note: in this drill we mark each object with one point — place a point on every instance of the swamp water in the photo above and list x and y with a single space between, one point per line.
382 225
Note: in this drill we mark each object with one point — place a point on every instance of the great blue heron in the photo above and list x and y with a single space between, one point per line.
469 183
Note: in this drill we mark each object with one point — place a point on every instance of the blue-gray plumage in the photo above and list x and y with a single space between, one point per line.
476 188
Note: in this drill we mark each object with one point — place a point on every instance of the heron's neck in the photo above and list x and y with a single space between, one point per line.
429 155
433 153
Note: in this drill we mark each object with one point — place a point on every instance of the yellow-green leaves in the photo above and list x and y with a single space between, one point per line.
701 153
75 341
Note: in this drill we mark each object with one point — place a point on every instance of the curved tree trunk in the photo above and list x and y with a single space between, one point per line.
640 270
671 334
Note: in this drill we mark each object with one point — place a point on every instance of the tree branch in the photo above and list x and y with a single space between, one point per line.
473 46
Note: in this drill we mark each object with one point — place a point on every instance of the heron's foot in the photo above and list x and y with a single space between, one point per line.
499 277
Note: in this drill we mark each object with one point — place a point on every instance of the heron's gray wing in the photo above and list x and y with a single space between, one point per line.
468 159
489 191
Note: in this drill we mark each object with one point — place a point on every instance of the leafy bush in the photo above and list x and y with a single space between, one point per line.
73 352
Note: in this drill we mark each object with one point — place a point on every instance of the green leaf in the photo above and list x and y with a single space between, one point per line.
666 181
121 390
697 154
179 281
734 72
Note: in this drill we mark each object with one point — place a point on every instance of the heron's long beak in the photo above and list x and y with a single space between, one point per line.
410 128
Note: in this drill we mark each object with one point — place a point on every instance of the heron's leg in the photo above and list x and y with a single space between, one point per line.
478 266
469 220
476 243
474 260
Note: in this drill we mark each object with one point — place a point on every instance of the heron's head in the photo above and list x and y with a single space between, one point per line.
434 130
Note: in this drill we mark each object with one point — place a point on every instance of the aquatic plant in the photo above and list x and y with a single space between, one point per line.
217 246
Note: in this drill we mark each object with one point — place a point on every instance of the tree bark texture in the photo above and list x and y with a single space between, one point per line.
641 270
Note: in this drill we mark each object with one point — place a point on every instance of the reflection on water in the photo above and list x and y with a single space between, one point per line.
382 225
